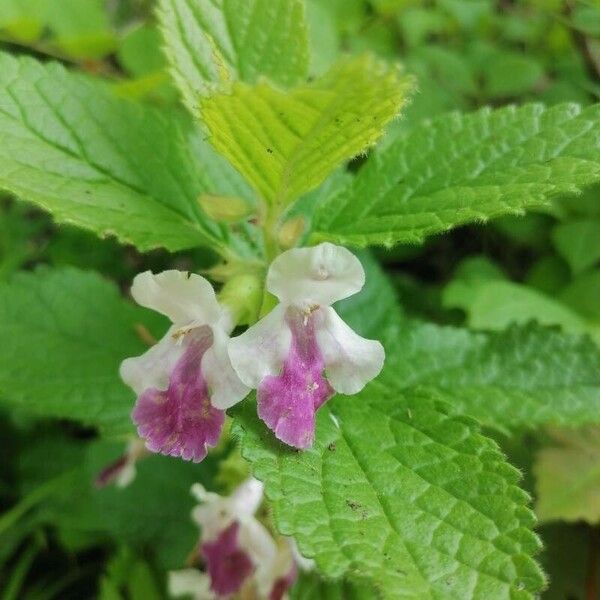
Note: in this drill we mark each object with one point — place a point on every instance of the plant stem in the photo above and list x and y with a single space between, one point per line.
272 250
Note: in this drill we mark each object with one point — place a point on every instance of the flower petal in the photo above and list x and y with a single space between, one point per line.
226 562
261 349
181 296
226 388
190 582
351 361
247 497
181 421
305 564
256 540
215 513
283 584
287 403
315 276
153 368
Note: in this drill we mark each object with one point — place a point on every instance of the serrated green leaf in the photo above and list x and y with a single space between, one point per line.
102 163
458 169
494 304
523 378
66 332
568 476
286 143
208 42
399 493
578 242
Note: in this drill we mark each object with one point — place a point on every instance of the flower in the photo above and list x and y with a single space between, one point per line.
122 471
185 382
239 552
285 354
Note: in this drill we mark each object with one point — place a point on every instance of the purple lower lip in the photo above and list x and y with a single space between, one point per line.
181 421
227 564
287 403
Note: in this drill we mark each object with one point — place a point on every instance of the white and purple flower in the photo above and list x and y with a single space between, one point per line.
302 351
185 382
297 356
239 553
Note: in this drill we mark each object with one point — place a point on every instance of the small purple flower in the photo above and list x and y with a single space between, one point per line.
240 554
227 564
302 352
233 542
185 382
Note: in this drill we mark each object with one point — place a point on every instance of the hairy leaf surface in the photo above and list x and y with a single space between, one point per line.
370 501
286 143
99 162
525 377
520 379
401 494
458 169
209 42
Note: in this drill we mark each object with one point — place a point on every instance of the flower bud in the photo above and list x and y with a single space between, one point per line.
291 231
227 209
225 271
242 295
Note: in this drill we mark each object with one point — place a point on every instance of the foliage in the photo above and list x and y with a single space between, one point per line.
366 123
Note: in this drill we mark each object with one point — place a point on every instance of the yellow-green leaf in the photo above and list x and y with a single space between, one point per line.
286 143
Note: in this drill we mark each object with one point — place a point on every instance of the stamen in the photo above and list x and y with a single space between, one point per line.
307 311
177 335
